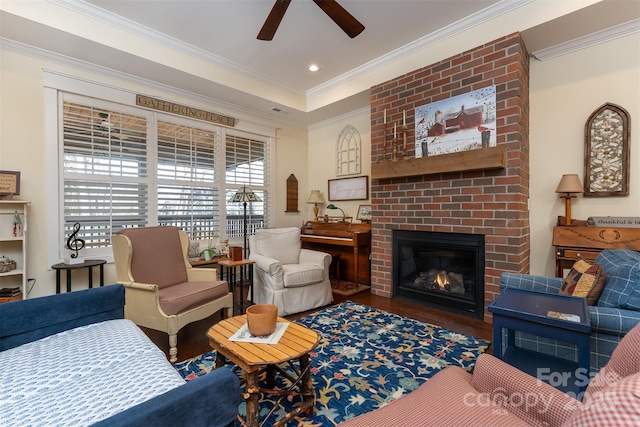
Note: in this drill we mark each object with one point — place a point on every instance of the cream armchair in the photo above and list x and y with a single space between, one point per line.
292 278
163 291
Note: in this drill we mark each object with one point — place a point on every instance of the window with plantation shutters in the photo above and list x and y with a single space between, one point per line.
187 193
246 165
105 168
125 166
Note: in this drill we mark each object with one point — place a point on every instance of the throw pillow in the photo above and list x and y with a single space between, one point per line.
584 280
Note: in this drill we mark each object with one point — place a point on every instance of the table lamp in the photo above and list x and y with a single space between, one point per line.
315 197
569 187
332 206
244 195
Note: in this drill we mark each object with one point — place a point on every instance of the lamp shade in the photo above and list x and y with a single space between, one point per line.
244 194
569 183
315 197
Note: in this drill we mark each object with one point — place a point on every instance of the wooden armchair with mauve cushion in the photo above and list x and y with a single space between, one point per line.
163 291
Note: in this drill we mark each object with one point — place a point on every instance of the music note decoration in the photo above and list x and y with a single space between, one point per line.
73 242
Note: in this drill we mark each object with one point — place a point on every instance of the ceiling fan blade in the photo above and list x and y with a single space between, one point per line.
340 16
272 22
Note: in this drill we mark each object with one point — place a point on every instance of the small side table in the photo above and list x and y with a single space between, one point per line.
208 263
228 272
528 311
90 263
296 343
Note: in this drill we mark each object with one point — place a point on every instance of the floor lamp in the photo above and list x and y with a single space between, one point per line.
245 195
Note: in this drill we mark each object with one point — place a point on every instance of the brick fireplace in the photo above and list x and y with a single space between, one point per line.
459 193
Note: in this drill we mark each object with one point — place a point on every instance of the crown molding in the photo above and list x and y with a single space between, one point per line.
341 118
589 40
117 21
109 18
152 87
450 30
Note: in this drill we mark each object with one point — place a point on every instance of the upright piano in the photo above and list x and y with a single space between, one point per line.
351 241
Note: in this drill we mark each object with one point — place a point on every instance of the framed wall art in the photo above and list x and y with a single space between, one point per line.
606 160
356 188
460 123
9 183
364 213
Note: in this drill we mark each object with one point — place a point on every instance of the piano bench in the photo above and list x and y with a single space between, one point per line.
335 265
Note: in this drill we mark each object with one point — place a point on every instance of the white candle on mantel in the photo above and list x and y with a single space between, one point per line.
404 117
394 130
385 116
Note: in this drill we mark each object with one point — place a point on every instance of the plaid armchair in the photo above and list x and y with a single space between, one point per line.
615 314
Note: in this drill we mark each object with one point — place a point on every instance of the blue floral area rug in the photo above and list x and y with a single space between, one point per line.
366 358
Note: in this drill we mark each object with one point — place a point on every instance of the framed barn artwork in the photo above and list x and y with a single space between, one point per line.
460 123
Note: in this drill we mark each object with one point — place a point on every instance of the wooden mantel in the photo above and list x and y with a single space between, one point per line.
486 158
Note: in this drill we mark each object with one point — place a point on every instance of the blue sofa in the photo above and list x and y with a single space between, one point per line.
210 400
616 312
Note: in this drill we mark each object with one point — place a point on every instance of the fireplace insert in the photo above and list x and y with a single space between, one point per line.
442 270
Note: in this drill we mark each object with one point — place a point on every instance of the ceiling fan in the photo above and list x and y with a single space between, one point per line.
339 14
106 128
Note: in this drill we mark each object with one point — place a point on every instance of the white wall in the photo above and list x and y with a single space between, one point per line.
22 148
292 159
564 91
322 158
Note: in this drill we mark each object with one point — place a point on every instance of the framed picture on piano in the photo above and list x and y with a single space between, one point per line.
364 213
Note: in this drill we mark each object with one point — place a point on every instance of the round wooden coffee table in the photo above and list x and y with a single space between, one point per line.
296 343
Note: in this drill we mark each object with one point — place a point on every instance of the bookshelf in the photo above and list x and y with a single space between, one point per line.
14 246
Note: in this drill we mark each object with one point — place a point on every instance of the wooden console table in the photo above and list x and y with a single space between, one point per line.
573 242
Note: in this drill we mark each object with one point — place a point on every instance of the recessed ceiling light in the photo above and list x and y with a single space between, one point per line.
313 68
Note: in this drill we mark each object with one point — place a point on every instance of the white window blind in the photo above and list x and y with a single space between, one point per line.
125 166
246 165
187 192
105 172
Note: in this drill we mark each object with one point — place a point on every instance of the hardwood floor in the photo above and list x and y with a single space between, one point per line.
192 340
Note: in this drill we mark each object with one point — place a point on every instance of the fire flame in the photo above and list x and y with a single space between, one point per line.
441 279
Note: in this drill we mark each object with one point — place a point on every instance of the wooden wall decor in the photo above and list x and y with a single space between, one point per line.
348 152
606 152
292 194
